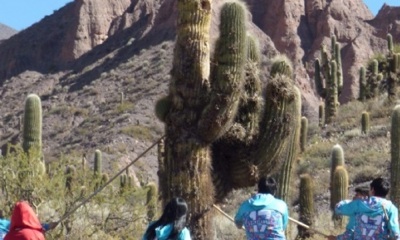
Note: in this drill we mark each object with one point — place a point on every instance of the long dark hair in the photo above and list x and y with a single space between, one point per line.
174 213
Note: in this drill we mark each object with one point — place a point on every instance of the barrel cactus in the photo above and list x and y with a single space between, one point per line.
223 103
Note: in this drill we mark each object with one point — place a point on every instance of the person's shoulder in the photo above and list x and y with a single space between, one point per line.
280 202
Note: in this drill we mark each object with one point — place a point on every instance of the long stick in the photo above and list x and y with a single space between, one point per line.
66 215
291 219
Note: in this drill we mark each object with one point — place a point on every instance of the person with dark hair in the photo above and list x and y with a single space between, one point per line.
172 223
375 217
361 192
263 215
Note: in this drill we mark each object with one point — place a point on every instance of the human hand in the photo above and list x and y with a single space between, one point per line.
52 225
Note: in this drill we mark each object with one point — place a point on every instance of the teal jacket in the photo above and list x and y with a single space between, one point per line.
264 217
162 232
369 217
4 226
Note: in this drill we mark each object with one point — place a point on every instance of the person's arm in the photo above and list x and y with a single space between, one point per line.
347 207
185 235
393 214
239 216
285 217
49 226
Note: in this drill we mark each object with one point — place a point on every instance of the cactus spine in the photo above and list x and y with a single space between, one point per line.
339 191
204 107
306 205
304 133
32 133
395 157
365 123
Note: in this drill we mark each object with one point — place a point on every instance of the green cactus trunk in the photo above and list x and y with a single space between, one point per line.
292 151
306 202
339 192
32 131
363 85
319 83
389 40
331 99
395 157
339 72
337 159
205 108
304 134
365 123
374 80
321 115
152 201
98 163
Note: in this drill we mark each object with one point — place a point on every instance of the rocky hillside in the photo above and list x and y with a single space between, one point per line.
6 32
99 66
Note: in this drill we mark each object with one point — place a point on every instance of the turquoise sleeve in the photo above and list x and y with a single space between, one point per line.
185 235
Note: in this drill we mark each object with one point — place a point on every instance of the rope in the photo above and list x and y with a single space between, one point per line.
66 215
291 219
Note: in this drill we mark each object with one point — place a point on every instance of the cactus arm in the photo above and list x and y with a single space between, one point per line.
363 84
292 148
227 79
319 83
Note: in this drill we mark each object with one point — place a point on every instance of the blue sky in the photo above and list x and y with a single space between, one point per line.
20 14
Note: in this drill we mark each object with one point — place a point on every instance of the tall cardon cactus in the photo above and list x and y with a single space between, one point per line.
395 157
32 131
329 78
223 103
337 159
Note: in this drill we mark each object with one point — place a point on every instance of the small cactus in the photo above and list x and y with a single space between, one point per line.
306 205
389 39
304 133
152 201
98 162
339 191
337 159
32 131
321 115
365 123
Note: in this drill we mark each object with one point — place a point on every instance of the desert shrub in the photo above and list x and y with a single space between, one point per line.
108 215
137 131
